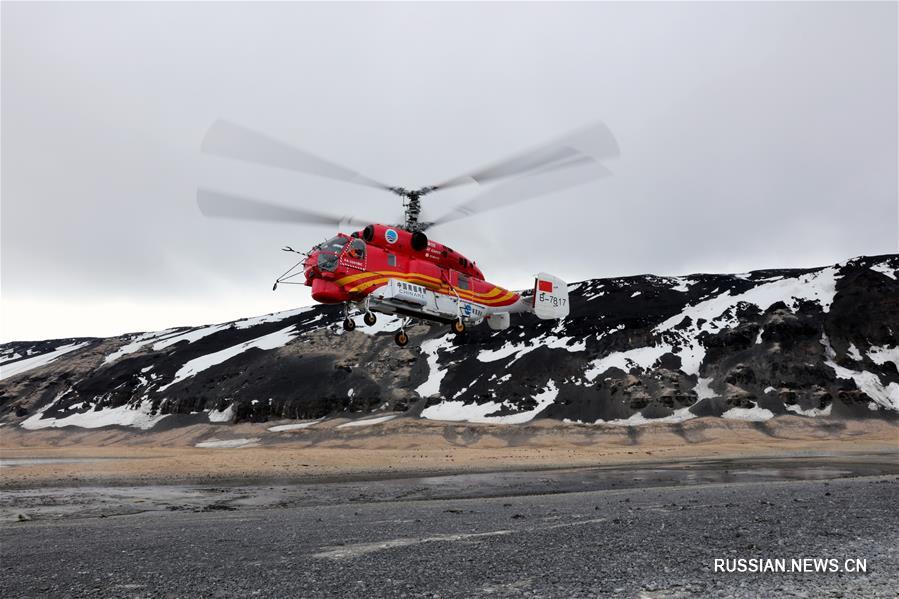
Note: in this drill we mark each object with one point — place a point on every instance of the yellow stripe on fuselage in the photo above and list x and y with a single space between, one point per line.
349 279
385 273
440 286
367 284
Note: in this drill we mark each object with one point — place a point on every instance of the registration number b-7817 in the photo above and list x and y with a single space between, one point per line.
557 302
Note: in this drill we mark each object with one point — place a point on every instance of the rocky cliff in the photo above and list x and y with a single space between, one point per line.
813 342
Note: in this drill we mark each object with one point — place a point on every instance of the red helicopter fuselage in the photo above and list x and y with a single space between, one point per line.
397 270
347 268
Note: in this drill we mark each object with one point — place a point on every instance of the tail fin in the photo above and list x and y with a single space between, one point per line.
550 297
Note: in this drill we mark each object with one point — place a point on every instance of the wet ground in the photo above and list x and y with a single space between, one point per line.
93 501
33 461
649 530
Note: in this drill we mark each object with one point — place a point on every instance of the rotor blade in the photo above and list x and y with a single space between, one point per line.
234 141
595 141
576 160
217 204
561 176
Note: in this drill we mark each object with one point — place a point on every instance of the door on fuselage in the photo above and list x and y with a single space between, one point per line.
355 255
460 282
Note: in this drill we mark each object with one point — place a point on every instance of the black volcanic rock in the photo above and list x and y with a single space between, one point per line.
770 342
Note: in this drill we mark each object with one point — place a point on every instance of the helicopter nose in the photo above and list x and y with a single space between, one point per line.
327 292
309 269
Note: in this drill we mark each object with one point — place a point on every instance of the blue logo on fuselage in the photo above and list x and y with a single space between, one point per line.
391 236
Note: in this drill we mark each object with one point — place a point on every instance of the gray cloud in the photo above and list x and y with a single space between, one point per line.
752 135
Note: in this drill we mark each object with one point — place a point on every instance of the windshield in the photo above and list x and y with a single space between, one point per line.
335 244
330 250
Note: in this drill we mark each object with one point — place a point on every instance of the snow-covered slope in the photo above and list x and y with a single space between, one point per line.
812 342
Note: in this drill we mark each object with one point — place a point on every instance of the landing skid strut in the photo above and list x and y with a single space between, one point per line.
401 338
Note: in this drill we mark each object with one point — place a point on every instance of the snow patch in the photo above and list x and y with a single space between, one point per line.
189 336
853 353
137 417
520 349
753 414
884 269
553 342
383 324
228 443
457 411
266 342
430 348
137 342
683 285
37 361
509 349
466 388
9 355
169 337
638 419
293 427
273 317
812 412
719 312
880 355
703 390
866 382
366 422
225 415
642 357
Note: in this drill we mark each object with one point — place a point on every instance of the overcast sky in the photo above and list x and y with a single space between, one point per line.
752 136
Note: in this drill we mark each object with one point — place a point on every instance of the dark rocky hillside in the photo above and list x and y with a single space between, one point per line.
813 342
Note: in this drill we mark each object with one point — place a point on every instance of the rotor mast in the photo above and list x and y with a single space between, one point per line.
412 204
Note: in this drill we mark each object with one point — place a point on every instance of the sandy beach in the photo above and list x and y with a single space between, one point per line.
404 446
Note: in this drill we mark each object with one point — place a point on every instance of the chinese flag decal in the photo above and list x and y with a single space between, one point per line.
546 286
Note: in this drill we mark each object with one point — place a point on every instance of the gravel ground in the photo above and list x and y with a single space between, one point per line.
543 539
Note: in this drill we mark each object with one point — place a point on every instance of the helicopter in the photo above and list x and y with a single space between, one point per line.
397 269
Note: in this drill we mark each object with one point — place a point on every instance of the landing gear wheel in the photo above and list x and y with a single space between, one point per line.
369 319
458 327
349 324
401 338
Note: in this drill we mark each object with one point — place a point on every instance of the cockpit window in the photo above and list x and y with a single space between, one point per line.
335 244
329 251
463 282
356 249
